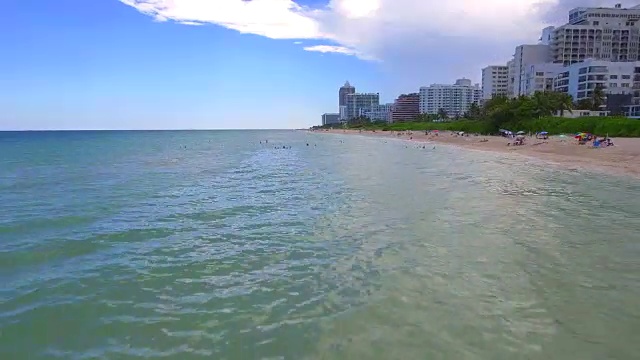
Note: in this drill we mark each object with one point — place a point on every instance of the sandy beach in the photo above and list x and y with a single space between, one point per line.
622 158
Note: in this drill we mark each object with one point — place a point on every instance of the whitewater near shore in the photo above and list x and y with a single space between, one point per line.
622 158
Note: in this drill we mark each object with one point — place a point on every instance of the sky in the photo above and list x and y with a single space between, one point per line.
238 64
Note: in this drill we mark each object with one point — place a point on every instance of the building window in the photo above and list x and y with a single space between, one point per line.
625 85
612 85
613 77
627 77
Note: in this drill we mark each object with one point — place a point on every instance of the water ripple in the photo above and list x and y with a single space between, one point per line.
213 245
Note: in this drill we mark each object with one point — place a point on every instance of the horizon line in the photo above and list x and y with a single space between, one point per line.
60 130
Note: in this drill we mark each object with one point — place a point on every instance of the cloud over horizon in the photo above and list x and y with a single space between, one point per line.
460 35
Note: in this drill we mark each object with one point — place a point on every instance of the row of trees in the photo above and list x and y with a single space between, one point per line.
501 110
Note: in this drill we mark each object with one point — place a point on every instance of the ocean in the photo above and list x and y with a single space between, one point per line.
215 245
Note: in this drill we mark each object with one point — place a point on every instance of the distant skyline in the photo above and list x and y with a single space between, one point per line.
236 64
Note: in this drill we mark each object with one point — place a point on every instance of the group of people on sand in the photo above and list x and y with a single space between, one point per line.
596 142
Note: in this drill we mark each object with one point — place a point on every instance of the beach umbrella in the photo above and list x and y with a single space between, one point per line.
520 133
543 133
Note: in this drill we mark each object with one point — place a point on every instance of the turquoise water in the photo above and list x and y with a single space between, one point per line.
189 245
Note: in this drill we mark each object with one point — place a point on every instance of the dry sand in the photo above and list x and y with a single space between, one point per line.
622 158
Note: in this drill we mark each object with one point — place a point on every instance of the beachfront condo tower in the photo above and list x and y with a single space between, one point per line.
342 98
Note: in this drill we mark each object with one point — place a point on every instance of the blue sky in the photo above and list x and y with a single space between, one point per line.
137 64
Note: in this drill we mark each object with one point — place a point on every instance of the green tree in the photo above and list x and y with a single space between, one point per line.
542 104
442 113
584 104
474 113
359 121
597 97
424 118
561 102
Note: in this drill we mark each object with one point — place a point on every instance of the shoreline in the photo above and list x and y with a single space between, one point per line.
621 159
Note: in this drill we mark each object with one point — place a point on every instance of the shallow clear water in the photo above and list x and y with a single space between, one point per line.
183 245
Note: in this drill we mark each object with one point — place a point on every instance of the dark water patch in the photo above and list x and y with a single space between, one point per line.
50 251
49 223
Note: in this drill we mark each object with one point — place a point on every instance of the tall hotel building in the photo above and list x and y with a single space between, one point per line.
406 107
345 90
610 34
359 103
523 57
380 112
454 99
495 81
579 80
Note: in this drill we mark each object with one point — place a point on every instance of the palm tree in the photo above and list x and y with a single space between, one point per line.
597 97
474 112
442 113
543 103
584 104
562 102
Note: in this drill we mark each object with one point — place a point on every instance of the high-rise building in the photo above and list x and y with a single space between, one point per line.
358 103
523 58
406 107
330 118
601 33
547 35
587 15
511 87
540 77
342 95
454 99
343 113
380 112
495 81
617 78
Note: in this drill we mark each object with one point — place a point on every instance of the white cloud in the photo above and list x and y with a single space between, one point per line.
331 48
468 33
357 23
276 19
339 50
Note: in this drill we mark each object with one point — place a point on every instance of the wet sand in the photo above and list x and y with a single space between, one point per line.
623 158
